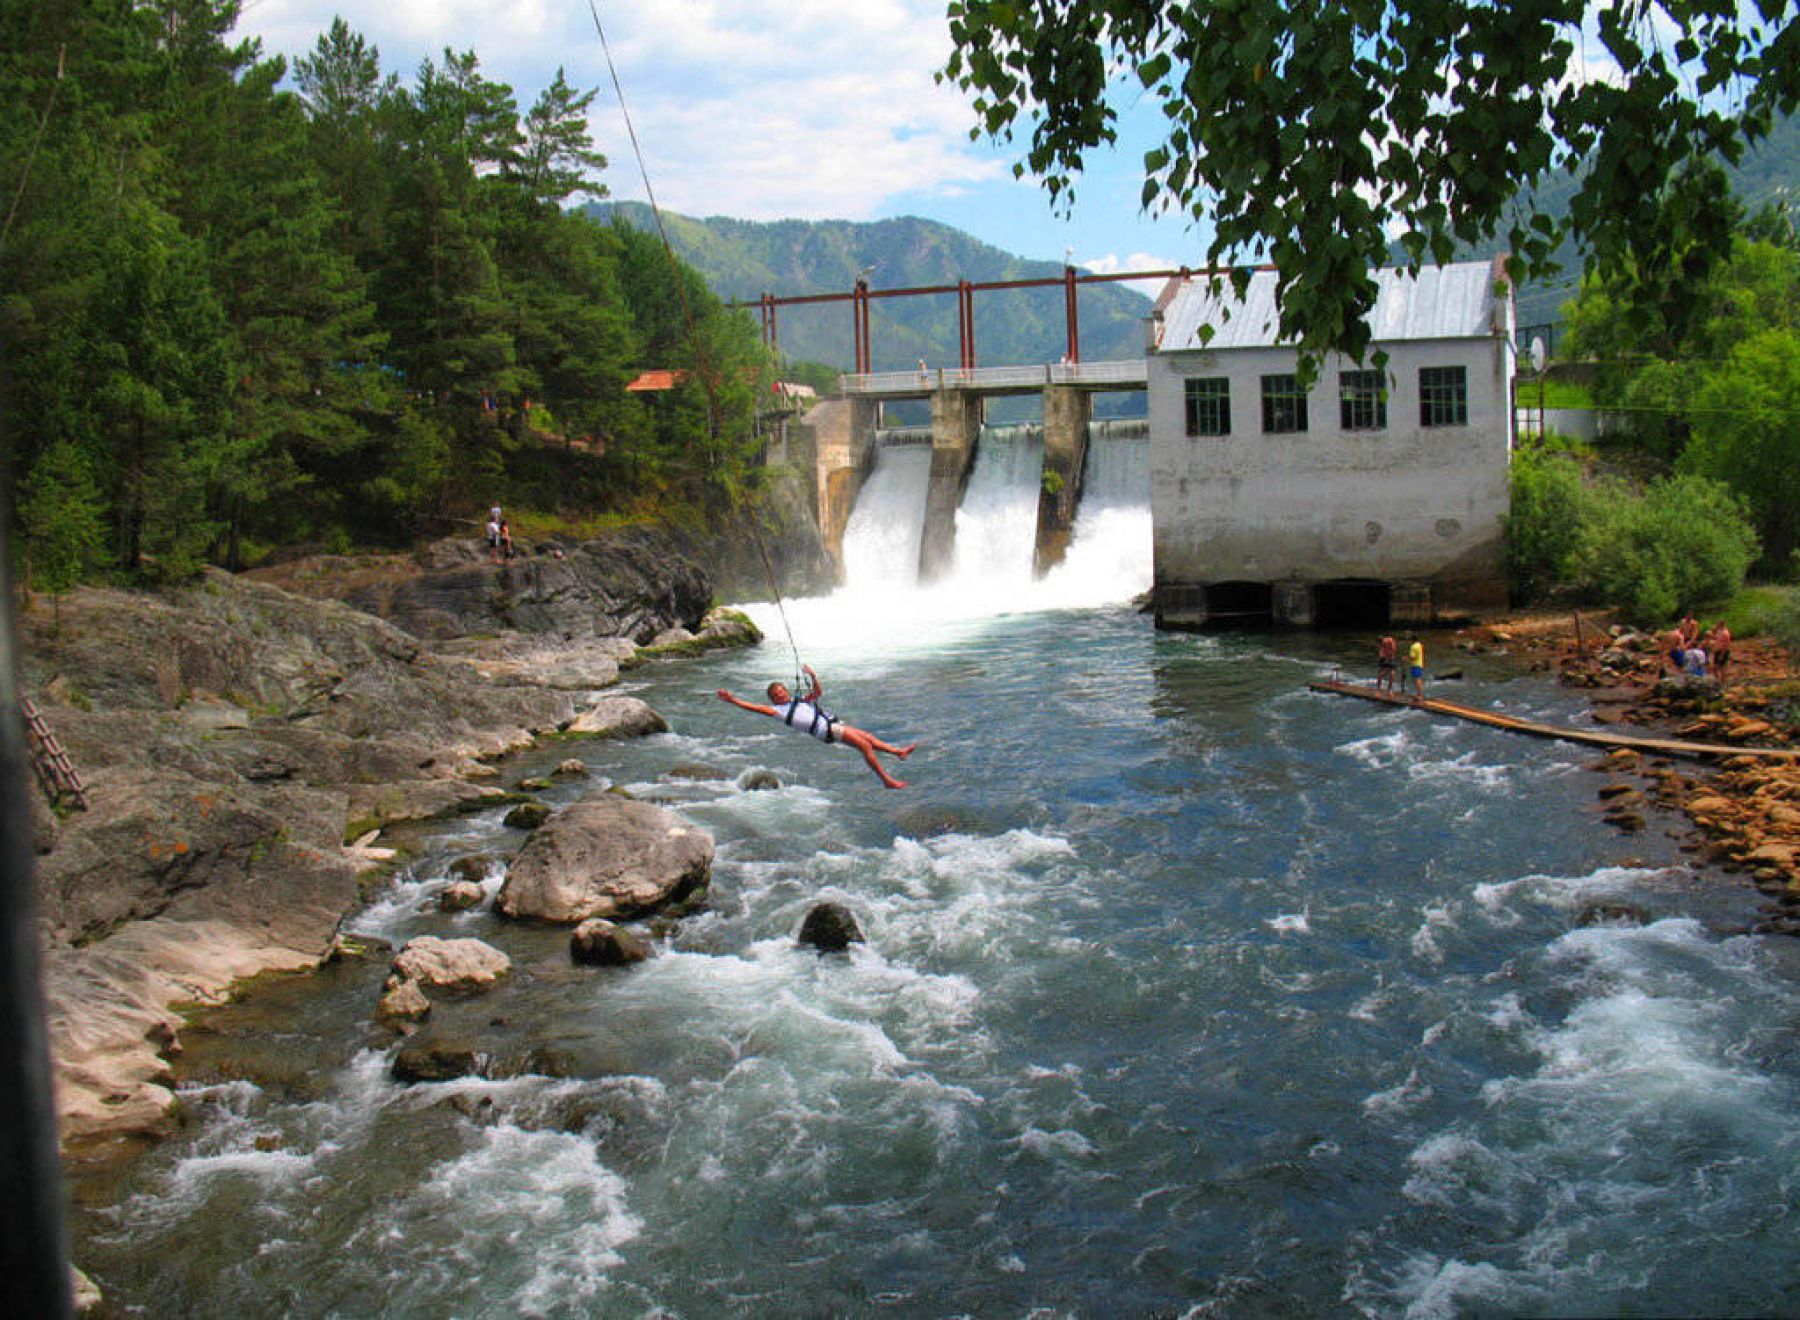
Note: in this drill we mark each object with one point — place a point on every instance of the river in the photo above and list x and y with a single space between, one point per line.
1183 988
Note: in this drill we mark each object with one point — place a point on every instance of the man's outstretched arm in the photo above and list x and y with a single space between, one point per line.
745 705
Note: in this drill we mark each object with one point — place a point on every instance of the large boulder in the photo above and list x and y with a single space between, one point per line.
606 856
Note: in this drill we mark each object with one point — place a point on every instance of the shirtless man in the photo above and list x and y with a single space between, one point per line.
805 714
1385 655
1719 646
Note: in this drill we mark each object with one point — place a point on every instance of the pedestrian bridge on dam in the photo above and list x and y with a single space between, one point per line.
1125 375
844 434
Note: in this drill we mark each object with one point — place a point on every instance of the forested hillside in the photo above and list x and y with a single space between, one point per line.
744 259
1768 176
249 305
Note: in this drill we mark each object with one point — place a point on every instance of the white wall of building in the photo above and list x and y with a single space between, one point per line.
1405 503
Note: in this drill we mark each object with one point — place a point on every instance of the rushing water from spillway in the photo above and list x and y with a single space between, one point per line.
1185 991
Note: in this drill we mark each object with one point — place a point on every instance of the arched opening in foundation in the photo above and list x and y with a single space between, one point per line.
1240 605
1359 604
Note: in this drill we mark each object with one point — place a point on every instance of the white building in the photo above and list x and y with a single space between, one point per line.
1373 496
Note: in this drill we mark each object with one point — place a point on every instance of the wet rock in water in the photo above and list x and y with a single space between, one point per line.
598 942
571 769
538 1061
931 821
357 946
1448 676
830 928
696 772
617 717
1620 795
527 816
460 896
607 856
434 1061
465 964
758 781
1612 914
675 636
535 784
476 868
402 1001
1628 821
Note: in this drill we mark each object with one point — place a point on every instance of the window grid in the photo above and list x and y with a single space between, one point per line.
1283 405
1443 396
1362 401
1209 406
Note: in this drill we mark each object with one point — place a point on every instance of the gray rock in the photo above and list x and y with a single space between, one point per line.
598 942
759 781
606 856
571 769
465 965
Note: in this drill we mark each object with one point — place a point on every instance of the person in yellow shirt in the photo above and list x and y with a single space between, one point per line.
1415 667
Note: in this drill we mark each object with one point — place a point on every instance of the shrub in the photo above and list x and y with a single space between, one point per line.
1549 504
1684 542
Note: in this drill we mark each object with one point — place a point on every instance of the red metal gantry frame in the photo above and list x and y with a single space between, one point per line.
860 296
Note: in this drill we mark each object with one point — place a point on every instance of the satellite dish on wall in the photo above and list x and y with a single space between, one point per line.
1537 353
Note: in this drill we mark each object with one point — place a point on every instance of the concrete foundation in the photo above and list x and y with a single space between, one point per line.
1067 412
837 440
955 426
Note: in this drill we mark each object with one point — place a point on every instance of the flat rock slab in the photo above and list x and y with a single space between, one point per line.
606 856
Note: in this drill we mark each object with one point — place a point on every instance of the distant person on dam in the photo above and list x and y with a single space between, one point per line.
806 715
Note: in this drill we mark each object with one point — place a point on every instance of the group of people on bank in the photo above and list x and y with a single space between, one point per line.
1689 652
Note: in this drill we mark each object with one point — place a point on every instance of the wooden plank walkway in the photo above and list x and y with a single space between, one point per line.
1595 737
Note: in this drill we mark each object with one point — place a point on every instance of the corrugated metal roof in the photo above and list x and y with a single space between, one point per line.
1440 302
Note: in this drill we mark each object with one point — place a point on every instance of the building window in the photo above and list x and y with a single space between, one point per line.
1362 401
1283 405
1209 406
1443 396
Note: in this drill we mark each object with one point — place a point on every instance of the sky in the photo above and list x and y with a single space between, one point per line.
773 109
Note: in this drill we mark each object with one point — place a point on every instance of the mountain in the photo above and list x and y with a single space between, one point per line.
744 259
1769 173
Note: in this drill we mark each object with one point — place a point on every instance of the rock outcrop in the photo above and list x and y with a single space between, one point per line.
830 928
634 583
606 856
232 736
598 942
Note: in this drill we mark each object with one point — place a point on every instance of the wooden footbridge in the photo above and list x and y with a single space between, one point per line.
1593 737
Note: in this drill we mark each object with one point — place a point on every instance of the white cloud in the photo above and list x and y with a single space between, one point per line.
752 108
1113 264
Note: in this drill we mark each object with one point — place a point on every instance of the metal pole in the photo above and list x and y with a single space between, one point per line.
34 1250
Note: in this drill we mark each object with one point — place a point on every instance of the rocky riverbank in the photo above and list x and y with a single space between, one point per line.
242 746
1744 810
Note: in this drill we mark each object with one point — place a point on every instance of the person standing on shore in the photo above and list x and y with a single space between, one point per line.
1718 646
1385 656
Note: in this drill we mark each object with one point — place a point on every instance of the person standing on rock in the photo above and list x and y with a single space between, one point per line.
806 715
1719 644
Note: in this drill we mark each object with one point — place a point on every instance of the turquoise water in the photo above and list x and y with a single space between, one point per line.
1186 992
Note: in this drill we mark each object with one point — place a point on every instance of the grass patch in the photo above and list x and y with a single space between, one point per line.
1755 610
532 525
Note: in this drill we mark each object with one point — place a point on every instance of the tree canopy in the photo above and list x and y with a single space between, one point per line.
239 315
1312 133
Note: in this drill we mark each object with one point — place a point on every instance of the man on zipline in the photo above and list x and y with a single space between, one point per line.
805 714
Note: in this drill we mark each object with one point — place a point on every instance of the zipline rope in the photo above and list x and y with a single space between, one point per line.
687 314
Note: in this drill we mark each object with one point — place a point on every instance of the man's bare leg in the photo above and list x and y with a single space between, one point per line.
867 743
